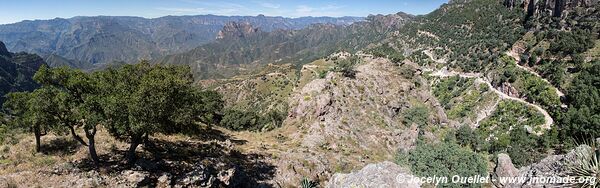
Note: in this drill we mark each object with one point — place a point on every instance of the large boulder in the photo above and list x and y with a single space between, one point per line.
504 168
384 174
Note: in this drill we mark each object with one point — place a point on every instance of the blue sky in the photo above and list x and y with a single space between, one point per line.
18 10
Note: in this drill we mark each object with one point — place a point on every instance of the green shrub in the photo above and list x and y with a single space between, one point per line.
417 115
240 120
346 66
446 159
467 137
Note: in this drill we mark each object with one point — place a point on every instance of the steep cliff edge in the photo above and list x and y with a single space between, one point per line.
16 71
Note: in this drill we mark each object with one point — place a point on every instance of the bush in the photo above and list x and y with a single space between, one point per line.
417 115
466 137
346 66
446 159
247 120
240 120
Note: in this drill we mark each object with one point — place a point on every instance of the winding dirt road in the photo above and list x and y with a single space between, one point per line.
480 79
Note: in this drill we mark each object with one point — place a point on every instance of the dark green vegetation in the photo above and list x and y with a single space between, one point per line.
132 103
416 115
444 159
473 35
387 51
103 39
239 120
582 119
530 87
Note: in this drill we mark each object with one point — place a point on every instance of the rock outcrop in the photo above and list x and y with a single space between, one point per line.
236 30
385 175
339 124
3 50
504 169
17 70
551 166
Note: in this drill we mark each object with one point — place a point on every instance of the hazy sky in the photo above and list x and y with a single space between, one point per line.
17 10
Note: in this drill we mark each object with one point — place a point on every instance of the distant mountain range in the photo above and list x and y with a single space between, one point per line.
86 41
243 47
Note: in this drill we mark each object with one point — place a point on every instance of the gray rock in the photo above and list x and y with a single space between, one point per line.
199 177
505 168
134 178
380 175
164 181
551 166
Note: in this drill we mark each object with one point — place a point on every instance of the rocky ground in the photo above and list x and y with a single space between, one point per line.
210 160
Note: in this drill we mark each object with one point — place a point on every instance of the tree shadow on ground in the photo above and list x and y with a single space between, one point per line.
60 146
180 157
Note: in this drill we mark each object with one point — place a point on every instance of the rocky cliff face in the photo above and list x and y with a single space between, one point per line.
16 71
554 8
3 50
236 29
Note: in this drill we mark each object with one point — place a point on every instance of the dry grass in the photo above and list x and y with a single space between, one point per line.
56 149
65 162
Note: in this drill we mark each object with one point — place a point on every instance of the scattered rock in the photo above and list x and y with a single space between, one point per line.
384 174
201 176
164 181
134 178
226 176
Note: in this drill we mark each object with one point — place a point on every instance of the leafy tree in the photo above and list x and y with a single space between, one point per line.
524 148
141 100
346 66
35 110
211 103
78 102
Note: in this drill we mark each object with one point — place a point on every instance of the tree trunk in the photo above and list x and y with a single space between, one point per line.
90 134
38 135
77 137
135 141
147 143
92 149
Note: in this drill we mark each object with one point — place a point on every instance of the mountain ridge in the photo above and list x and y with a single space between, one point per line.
103 39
